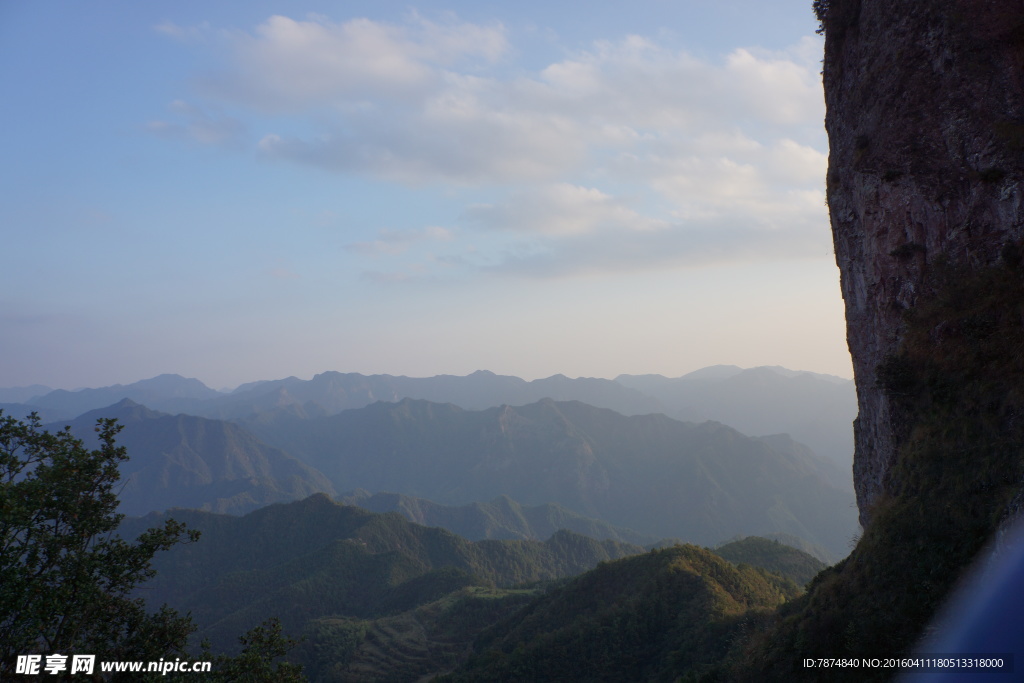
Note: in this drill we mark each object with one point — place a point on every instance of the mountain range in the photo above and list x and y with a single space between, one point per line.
544 466
647 473
501 518
569 486
650 473
377 598
314 558
815 409
185 461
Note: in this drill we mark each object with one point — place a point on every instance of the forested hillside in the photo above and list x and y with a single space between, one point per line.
316 558
654 617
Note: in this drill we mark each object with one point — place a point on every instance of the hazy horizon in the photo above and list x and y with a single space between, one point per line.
229 388
239 192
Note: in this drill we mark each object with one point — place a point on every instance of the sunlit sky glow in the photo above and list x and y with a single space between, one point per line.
241 191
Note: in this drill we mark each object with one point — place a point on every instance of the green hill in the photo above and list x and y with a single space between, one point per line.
315 558
793 564
408 646
652 617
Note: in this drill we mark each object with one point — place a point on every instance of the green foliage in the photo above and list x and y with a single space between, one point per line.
65 579
329 645
324 568
656 616
409 646
262 648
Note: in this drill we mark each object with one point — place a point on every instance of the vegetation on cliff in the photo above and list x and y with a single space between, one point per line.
957 384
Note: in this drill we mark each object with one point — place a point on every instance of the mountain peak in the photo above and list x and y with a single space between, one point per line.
125 410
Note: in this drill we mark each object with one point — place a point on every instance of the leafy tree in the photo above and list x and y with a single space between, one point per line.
261 646
65 577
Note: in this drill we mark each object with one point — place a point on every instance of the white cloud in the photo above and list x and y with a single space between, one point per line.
677 245
288 65
776 89
561 209
418 102
717 158
451 139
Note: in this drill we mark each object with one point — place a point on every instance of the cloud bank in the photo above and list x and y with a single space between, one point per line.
629 155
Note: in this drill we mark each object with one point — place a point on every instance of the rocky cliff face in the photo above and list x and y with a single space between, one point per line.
925 119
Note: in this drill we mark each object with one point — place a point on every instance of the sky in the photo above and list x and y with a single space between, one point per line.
243 191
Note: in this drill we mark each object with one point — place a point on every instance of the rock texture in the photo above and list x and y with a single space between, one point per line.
925 119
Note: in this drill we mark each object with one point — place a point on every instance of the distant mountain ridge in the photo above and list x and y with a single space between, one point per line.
658 476
23 394
188 461
501 518
332 392
163 392
815 409
585 468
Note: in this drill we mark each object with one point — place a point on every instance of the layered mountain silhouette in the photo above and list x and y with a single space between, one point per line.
22 394
659 476
602 472
501 518
187 461
544 466
814 409
333 392
164 392
817 410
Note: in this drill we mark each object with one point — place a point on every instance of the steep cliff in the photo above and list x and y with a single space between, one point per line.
925 119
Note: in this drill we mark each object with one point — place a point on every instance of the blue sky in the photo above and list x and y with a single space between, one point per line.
241 191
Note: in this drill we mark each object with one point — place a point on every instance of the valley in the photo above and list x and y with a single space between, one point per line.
391 535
